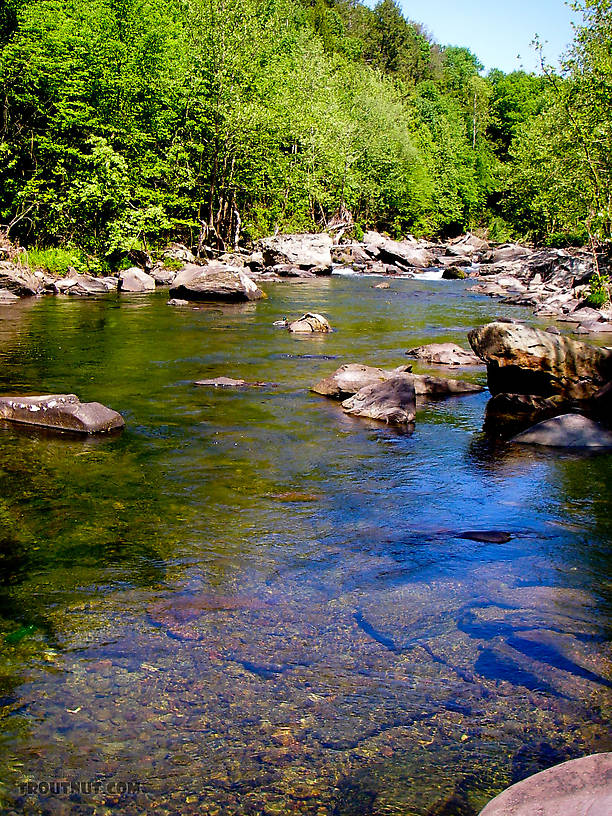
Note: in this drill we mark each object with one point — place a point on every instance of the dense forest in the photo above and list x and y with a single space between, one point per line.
131 122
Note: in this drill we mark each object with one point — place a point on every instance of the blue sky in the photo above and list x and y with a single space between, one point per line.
497 31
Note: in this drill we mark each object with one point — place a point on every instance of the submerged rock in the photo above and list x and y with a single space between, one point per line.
215 281
522 360
486 536
448 354
566 431
229 382
582 787
62 412
310 322
392 401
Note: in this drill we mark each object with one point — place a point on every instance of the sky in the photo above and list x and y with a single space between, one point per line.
497 31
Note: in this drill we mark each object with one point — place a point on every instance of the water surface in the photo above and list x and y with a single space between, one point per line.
249 603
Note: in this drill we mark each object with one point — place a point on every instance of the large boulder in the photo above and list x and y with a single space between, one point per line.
86 286
307 251
405 253
215 281
580 787
21 282
62 412
135 279
566 431
392 401
310 322
522 360
446 354
505 253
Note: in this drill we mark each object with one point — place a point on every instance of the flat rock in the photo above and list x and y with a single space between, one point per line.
486 536
229 382
86 286
310 322
432 387
136 280
580 787
163 276
216 281
62 412
448 354
566 431
307 251
392 401
178 302
522 360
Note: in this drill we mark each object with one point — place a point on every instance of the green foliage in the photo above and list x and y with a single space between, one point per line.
126 124
172 264
599 292
55 261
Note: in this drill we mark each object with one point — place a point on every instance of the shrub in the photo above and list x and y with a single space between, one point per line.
598 294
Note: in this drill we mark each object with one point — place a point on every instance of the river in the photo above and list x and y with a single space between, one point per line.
250 603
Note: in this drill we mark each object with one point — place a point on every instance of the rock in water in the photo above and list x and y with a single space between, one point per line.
440 387
522 360
215 281
351 378
21 282
135 279
63 412
310 322
580 787
406 253
566 431
448 354
392 401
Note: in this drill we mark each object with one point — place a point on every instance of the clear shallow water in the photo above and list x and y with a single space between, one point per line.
250 603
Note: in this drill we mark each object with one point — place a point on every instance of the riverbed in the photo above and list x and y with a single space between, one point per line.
250 603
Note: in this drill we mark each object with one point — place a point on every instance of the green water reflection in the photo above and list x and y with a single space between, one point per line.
251 603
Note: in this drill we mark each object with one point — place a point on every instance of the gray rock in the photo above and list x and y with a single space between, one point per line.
566 431
135 280
62 412
439 387
505 253
392 401
178 302
351 378
406 253
448 354
215 281
383 285
163 276
86 286
580 787
522 360
310 322
178 252
20 281
307 251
